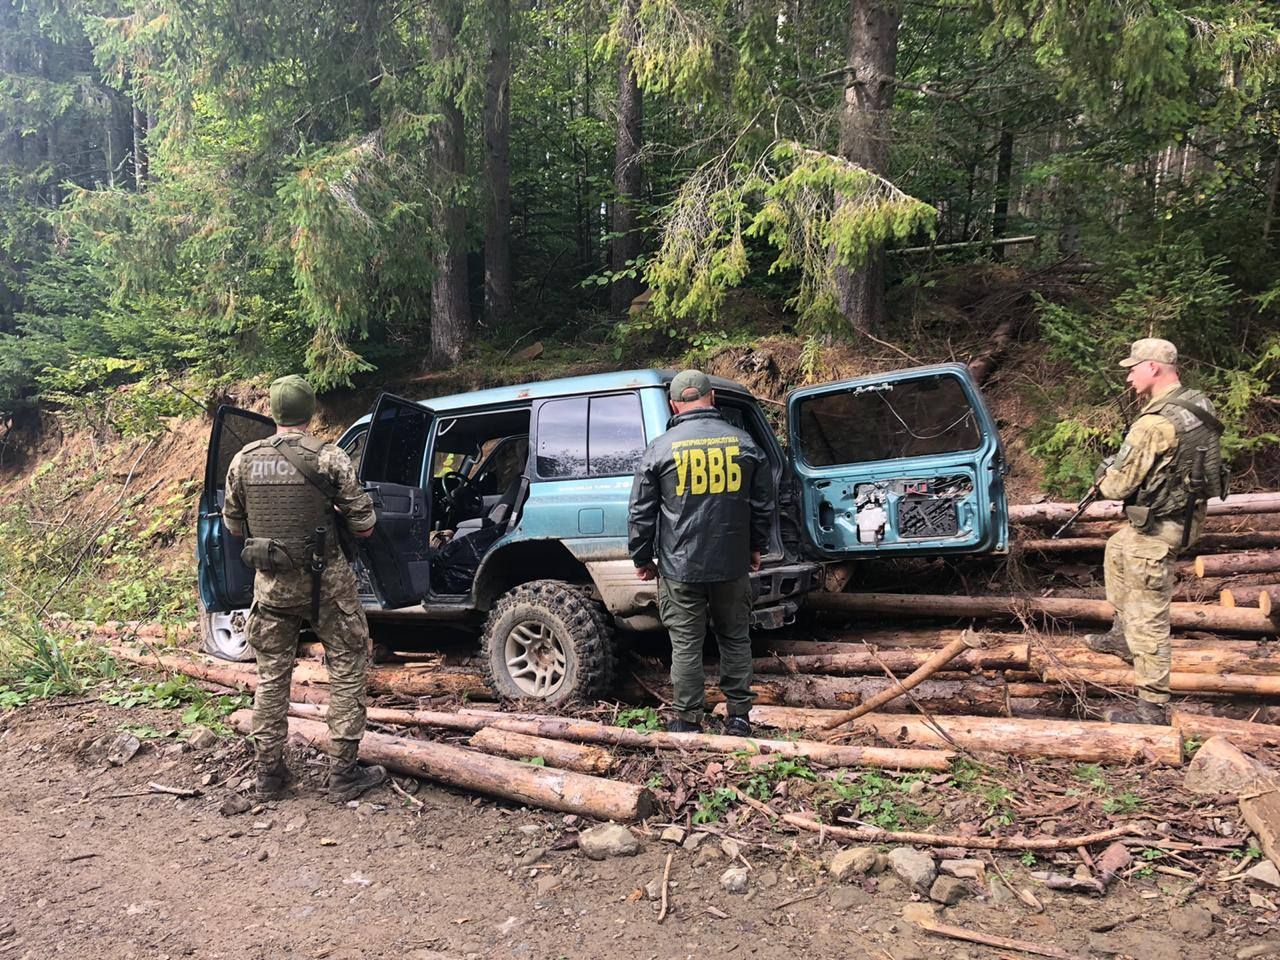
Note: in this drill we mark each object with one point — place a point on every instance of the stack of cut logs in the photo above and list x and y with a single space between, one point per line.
1014 680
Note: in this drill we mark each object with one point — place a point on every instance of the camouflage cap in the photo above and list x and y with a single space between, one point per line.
689 385
1150 348
292 401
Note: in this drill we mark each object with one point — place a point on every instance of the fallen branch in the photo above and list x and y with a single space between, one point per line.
878 835
666 877
562 754
991 940
1239 504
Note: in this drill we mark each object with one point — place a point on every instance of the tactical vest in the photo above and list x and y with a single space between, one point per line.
1168 485
281 503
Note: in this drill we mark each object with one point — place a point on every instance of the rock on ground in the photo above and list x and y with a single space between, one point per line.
948 891
608 840
1219 767
1192 921
853 862
1264 874
734 880
914 867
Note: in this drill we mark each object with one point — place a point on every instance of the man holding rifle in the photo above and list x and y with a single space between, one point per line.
287 494
1165 472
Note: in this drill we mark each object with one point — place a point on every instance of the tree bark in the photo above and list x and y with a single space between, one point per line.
235 678
586 731
1236 505
1239 732
856 661
627 171
1018 737
1186 616
1004 173
1259 596
1234 684
561 790
1208 543
1228 564
1189 656
450 310
499 291
562 754
864 139
139 147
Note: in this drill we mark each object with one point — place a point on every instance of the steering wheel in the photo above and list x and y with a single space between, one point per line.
462 499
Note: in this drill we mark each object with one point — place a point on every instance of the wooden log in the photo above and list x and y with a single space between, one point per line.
966 641
1208 543
557 753
215 671
1259 596
561 790
1183 616
975 695
1086 742
1235 684
587 731
1227 564
1240 504
1189 656
856 661
907 637
1243 733
876 835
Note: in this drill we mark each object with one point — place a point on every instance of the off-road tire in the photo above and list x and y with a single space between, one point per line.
579 625
224 640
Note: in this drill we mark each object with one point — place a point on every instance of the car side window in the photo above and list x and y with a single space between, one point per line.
589 437
353 447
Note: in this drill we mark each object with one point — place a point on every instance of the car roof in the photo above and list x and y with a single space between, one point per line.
567 386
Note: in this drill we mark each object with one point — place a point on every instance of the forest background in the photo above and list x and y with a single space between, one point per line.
197 192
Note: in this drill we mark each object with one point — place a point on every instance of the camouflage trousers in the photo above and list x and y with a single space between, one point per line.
1139 575
273 634
685 609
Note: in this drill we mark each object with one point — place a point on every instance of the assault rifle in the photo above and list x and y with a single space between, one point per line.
1195 493
1090 495
318 544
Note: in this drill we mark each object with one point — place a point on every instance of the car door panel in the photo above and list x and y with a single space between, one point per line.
392 470
905 462
226 583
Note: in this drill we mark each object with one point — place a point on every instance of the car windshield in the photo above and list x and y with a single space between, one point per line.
887 421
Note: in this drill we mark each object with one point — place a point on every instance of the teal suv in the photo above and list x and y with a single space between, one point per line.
506 509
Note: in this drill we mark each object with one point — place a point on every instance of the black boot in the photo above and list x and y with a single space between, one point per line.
737 726
1144 711
348 780
683 726
1111 642
273 780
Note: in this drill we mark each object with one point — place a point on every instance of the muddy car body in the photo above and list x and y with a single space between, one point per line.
507 508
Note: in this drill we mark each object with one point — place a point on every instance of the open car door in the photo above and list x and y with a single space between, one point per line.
225 582
393 472
903 462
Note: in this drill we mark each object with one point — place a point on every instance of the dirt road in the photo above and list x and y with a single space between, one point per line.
87 873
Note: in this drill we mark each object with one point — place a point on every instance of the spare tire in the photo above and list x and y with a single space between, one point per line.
223 634
548 641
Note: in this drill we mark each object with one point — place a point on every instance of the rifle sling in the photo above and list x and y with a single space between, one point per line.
1204 416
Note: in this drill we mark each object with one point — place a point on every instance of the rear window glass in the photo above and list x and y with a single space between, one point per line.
589 437
395 444
886 421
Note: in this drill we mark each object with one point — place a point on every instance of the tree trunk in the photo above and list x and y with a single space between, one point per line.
450 311
1018 737
1240 732
234 678
1228 564
1234 684
587 731
1273 190
1208 543
856 661
864 140
1004 171
1236 505
1186 616
561 754
627 171
499 293
560 790
1259 596
1189 656
139 147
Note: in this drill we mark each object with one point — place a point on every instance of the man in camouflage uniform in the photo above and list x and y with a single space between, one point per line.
1154 474
279 491
701 514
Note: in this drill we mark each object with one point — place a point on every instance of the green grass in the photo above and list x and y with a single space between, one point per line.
877 799
36 662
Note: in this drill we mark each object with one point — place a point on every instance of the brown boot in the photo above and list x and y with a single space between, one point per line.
1144 711
273 780
348 780
1111 642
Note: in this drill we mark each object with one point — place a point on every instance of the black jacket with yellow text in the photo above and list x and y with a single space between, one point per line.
701 501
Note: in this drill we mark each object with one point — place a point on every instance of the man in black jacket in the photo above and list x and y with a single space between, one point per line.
701 513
